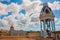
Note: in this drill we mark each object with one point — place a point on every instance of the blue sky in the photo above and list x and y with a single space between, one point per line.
23 12
15 1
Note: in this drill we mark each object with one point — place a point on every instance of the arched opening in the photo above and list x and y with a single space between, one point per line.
46 11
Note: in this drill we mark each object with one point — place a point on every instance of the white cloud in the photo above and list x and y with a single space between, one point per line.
55 5
35 6
28 2
13 7
3 8
21 22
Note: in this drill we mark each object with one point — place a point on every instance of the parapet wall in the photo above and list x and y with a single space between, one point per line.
24 38
48 38
16 38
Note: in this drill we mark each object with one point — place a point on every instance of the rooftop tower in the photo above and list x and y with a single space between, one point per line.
47 23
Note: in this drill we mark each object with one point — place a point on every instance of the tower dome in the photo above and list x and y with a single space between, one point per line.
46 8
12 27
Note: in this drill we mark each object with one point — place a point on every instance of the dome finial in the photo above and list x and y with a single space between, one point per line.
45 4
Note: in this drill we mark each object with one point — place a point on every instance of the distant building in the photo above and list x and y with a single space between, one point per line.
20 33
56 35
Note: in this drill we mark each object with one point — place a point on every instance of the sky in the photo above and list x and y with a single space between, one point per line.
24 14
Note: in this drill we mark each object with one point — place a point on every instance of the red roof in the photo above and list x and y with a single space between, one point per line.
12 26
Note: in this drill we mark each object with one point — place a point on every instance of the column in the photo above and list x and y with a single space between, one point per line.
44 29
50 28
50 25
53 26
41 27
44 25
